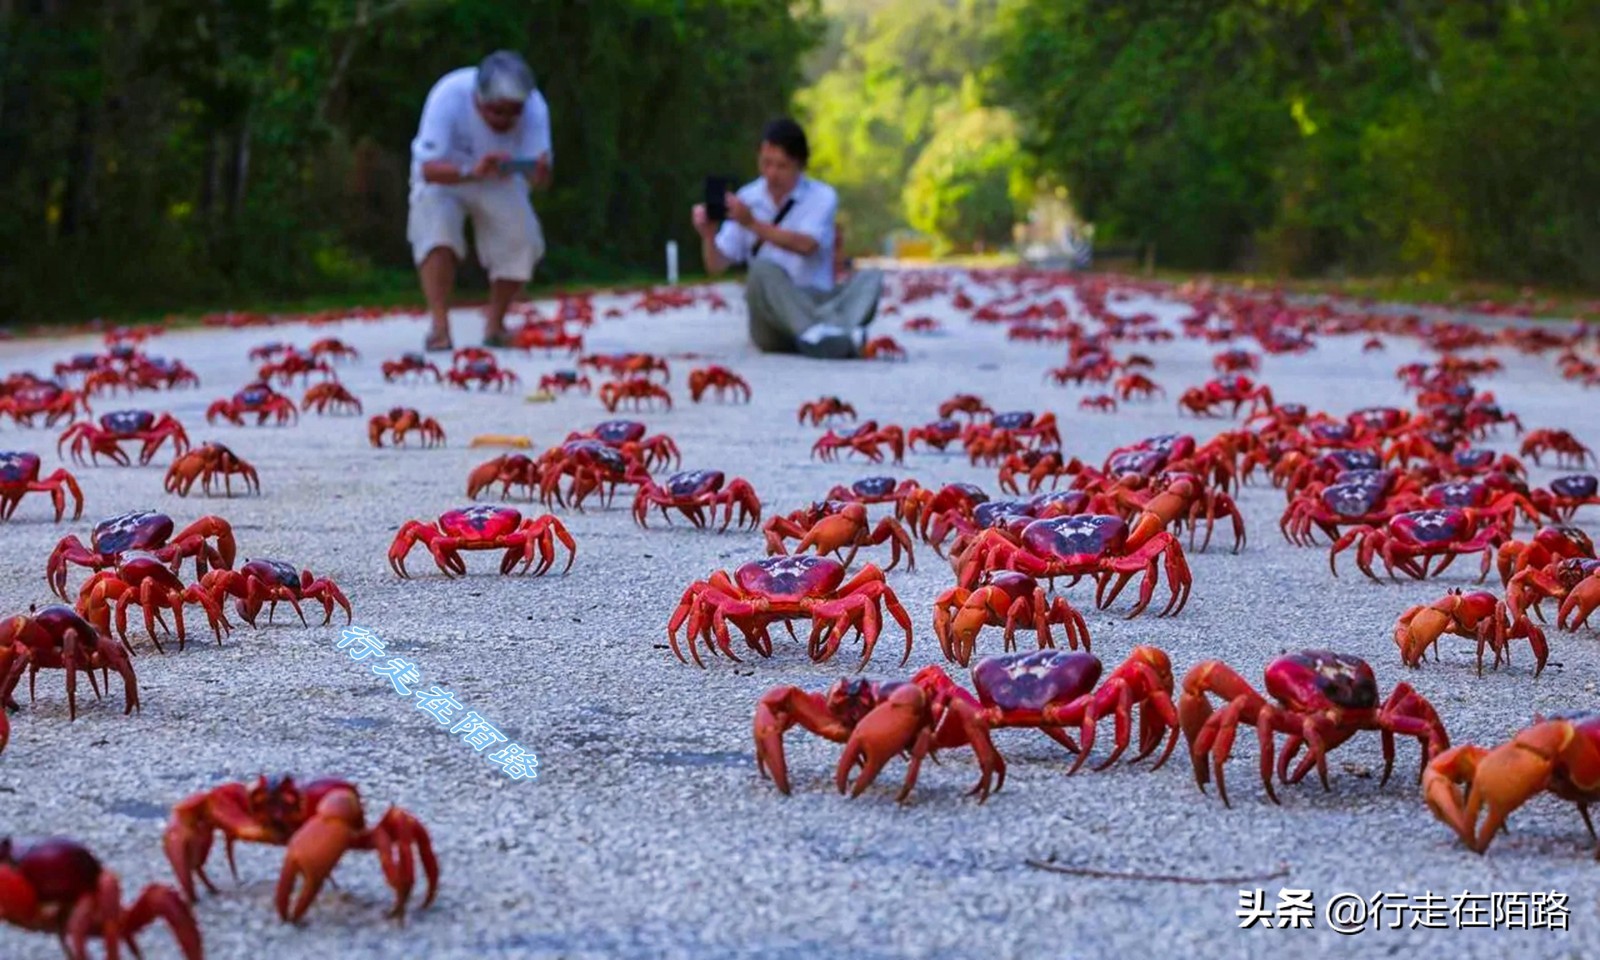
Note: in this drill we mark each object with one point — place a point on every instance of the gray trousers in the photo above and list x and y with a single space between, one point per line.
788 318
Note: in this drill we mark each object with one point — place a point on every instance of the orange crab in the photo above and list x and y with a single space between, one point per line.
330 393
830 526
638 391
1005 599
1479 616
720 380
316 824
400 421
205 463
1558 754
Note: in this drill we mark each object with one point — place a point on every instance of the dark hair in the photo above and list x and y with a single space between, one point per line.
788 136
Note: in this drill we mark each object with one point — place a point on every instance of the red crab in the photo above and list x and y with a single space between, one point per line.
477 366
865 439
1103 403
832 525
1569 452
42 398
142 579
259 399
294 364
409 364
333 348
721 380
330 394
509 470
57 638
269 351
1323 699
624 365
400 421
936 514
921 325
1423 534
481 527
1477 616
1549 544
259 582
205 463
143 530
882 348
593 466
1237 390
57 886
1137 384
938 434
19 476
1004 599
967 403
106 437
639 391
1007 433
1094 545
547 335
1361 498
564 380
784 589
1236 361
825 408
870 490
629 437
1567 495
693 492
1583 596
1559 754
315 823
876 720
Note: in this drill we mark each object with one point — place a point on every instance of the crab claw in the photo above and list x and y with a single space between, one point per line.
159 901
335 827
900 723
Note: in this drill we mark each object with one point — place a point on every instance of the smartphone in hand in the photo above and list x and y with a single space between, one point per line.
525 165
717 190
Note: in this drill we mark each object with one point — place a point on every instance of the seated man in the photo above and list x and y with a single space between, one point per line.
782 226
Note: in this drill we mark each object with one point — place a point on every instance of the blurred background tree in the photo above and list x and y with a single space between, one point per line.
1356 136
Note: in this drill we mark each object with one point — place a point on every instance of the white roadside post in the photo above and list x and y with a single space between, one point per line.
672 262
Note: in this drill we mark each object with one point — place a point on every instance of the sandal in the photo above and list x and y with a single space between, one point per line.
435 344
497 340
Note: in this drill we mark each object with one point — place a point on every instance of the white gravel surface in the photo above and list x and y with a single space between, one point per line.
648 832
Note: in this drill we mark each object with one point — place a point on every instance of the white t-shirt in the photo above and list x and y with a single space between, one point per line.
451 128
815 206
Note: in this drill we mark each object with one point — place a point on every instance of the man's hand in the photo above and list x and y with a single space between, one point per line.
739 211
541 172
702 223
488 166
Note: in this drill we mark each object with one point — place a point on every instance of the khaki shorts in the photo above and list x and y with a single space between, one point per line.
507 233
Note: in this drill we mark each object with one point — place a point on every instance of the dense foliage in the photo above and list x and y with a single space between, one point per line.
894 78
164 153
1439 136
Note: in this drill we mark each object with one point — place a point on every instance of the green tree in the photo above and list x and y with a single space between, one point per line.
970 183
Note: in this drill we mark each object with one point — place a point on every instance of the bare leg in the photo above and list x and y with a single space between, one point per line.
438 272
501 293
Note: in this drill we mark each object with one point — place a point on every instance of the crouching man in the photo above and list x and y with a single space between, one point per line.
782 226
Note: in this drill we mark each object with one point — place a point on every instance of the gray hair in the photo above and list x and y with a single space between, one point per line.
504 75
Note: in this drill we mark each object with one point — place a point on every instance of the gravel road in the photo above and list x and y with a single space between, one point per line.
648 832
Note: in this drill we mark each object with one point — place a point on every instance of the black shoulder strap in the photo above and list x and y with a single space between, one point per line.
784 212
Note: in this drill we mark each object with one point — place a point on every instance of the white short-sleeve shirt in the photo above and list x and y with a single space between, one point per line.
815 206
451 128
